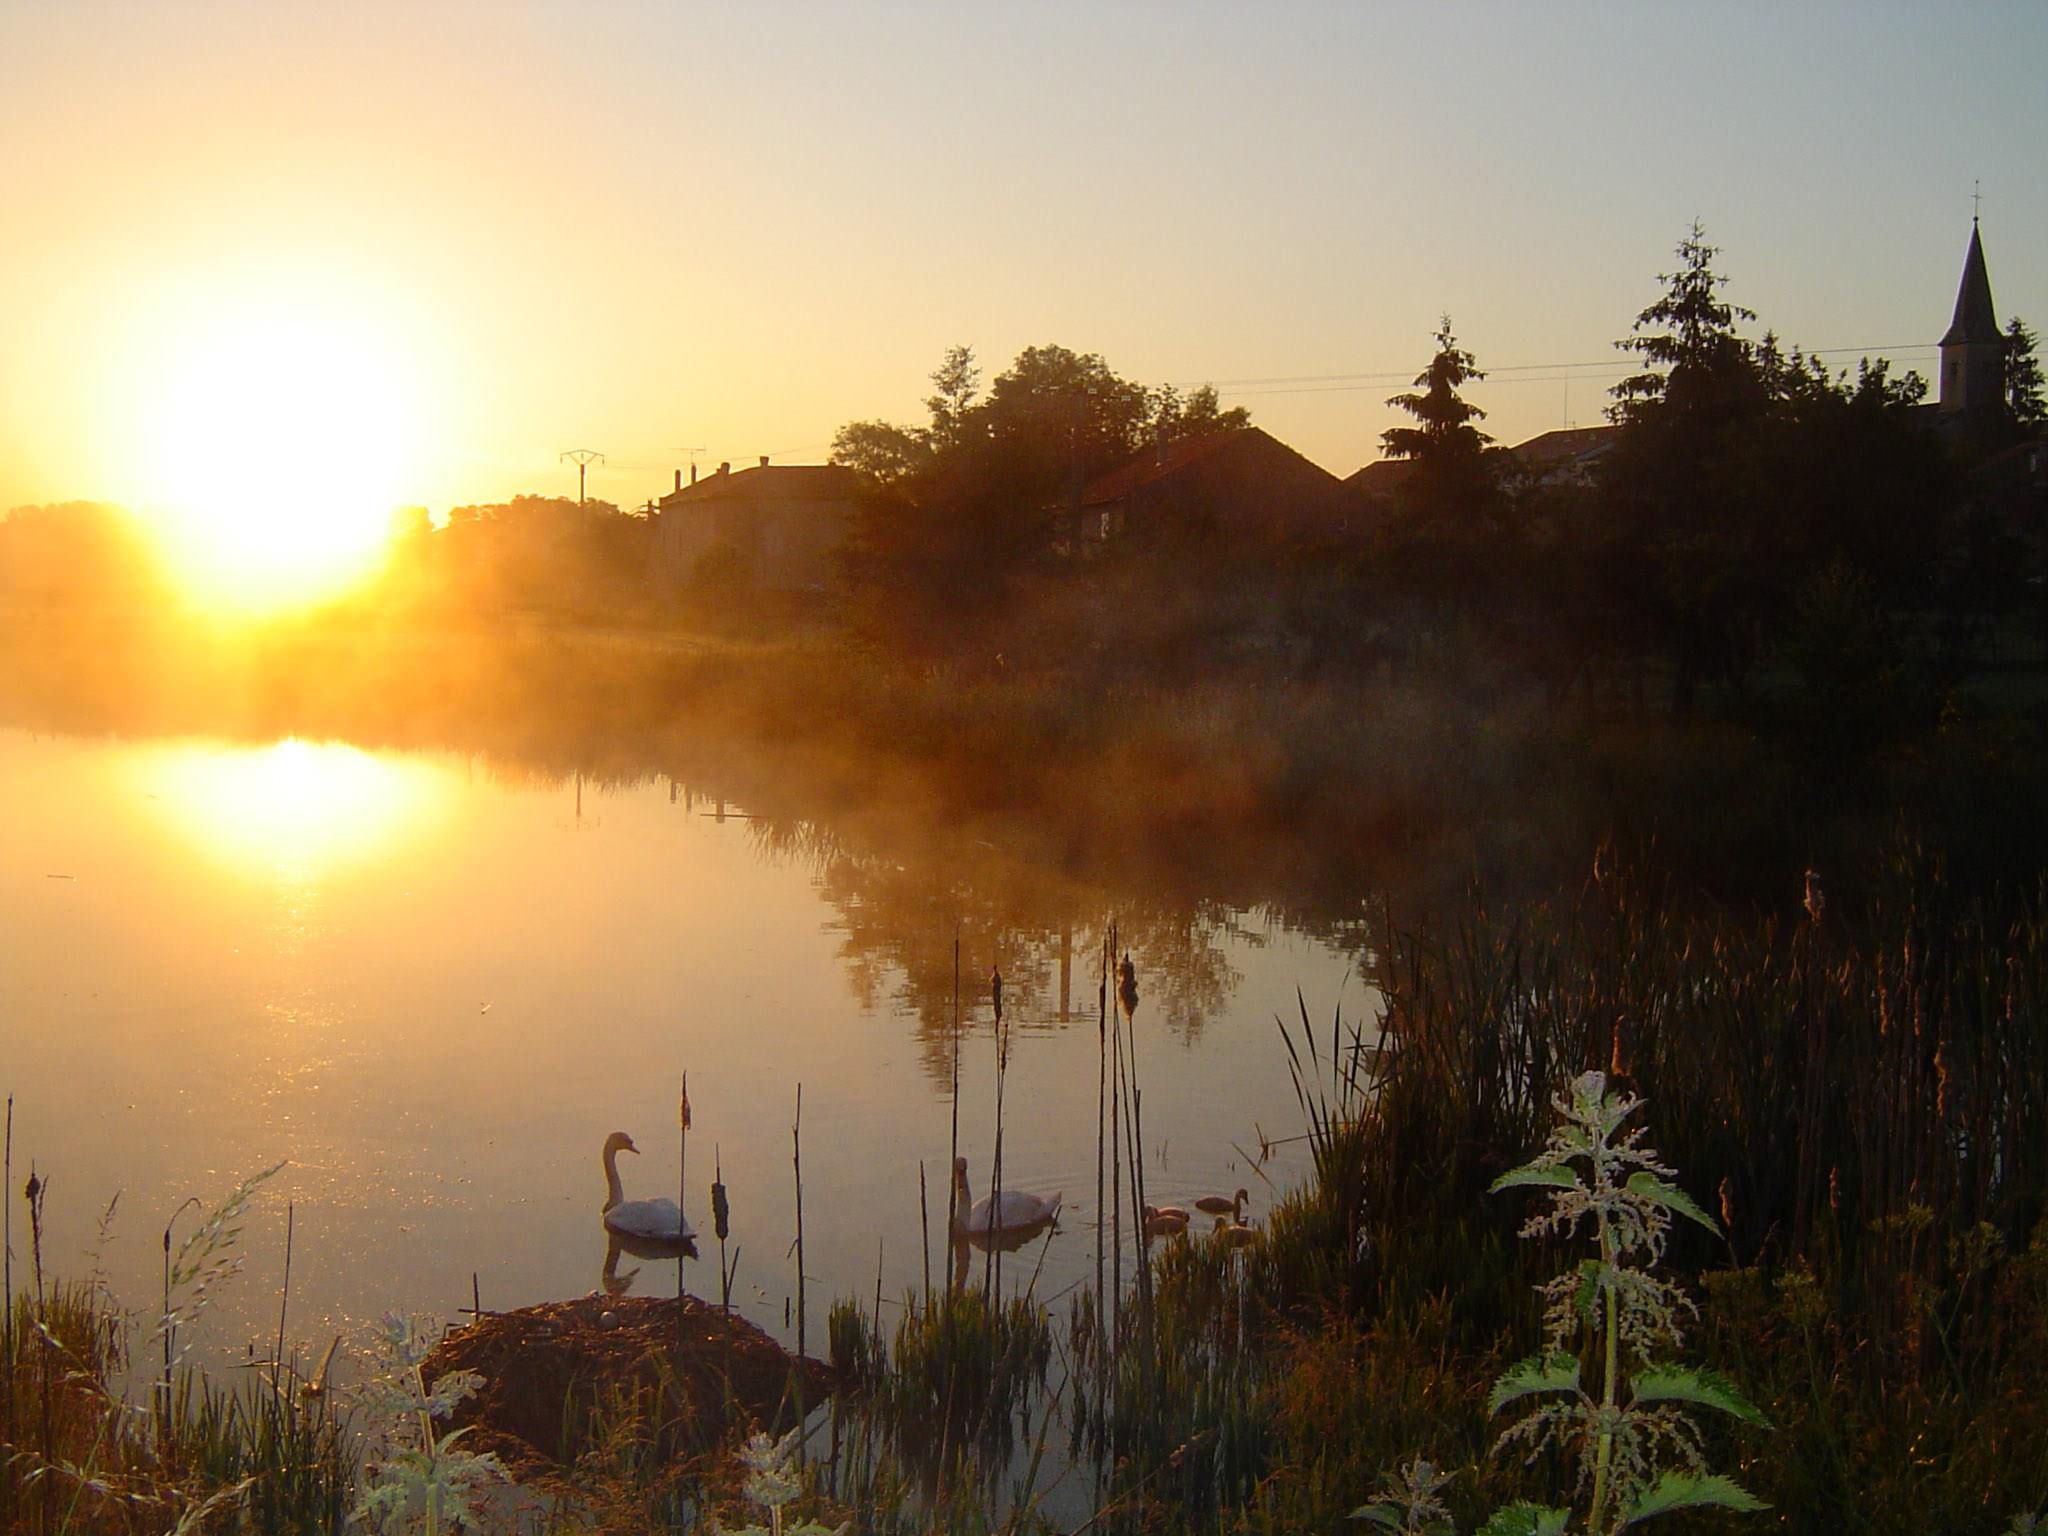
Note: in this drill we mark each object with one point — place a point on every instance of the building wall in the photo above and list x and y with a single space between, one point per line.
789 544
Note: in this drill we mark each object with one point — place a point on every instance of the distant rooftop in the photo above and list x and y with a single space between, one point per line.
1549 448
1381 475
1157 464
770 482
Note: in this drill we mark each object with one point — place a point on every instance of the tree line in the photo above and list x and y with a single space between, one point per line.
1752 514
1755 509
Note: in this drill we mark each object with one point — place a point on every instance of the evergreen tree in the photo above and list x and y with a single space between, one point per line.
1444 432
1687 341
1691 523
2025 395
1445 543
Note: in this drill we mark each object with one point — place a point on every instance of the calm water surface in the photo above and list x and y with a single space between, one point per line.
431 987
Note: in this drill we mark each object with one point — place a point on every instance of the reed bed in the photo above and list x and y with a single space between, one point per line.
200 1458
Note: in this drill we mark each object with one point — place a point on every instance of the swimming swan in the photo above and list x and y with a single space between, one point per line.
1235 1234
1216 1205
1006 1212
1168 1221
659 1220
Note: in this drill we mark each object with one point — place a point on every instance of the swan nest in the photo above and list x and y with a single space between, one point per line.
593 1352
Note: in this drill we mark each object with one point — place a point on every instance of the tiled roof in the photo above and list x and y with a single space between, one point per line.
1549 448
771 482
1154 465
1381 475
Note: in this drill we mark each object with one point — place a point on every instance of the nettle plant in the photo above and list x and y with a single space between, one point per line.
419 1479
1605 1388
773 1479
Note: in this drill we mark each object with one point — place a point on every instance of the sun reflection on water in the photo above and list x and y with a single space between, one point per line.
296 808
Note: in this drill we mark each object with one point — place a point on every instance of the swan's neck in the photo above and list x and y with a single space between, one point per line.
613 1194
966 1200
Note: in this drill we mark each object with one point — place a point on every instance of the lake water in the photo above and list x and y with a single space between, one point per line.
431 984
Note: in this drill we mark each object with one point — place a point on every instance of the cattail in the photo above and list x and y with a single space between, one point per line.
1127 985
1816 901
995 988
1727 1208
721 1212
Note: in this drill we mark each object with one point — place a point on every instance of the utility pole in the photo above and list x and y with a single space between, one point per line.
582 458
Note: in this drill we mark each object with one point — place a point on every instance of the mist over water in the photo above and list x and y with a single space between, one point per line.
433 982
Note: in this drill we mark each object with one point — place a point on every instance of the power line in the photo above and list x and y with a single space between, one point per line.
1553 369
1520 373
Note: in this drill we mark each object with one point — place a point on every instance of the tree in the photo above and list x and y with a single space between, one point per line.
983 493
1689 334
887 454
1056 419
956 381
1444 433
1445 541
2025 395
1689 531
1175 417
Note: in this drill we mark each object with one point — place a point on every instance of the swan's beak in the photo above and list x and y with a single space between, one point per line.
629 1147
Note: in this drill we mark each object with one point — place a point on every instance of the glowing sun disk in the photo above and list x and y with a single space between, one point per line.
278 447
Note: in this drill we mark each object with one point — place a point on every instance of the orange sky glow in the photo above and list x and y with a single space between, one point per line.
272 271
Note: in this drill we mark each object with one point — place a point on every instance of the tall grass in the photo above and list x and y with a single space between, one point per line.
1824 1078
258 1457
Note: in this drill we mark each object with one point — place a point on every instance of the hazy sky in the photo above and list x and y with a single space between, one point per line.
489 233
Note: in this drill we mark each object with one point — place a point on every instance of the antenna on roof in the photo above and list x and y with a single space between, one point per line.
1976 200
582 458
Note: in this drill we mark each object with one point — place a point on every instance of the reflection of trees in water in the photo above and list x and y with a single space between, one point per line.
900 908
902 891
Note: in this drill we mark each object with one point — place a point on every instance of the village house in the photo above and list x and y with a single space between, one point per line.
1240 483
771 527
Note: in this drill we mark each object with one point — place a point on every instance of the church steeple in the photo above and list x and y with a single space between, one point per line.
1973 351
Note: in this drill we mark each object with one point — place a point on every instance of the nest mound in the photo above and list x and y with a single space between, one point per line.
550 1370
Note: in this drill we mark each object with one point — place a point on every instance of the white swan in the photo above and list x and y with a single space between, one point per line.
1006 1212
658 1220
1216 1205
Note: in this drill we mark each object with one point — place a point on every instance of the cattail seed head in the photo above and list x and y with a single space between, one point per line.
1816 901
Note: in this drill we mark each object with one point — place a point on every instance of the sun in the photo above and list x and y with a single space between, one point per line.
277 437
